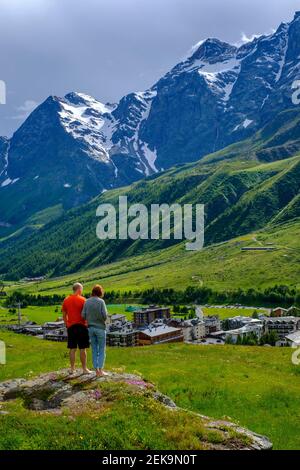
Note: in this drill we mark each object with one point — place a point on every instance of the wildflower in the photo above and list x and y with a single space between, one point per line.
97 395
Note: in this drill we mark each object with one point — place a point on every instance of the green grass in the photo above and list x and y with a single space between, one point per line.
117 426
224 312
239 197
255 386
41 315
219 267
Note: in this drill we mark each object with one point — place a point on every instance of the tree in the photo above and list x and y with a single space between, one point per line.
269 338
229 340
226 324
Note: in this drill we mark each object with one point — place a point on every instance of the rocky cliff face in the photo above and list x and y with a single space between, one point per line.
222 94
72 148
60 394
4 147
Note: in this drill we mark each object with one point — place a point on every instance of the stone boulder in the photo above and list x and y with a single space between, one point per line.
58 391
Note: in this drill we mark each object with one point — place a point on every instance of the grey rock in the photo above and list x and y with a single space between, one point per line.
254 441
164 399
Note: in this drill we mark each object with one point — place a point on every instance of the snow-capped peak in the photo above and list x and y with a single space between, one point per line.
218 94
212 50
81 99
90 121
103 133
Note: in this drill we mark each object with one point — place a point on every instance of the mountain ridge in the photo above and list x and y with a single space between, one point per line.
219 95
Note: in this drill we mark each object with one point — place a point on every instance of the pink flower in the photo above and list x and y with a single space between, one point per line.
97 395
139 383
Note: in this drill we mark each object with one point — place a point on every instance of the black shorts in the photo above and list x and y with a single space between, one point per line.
78 337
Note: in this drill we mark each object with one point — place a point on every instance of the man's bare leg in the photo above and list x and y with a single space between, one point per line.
83 358
72 359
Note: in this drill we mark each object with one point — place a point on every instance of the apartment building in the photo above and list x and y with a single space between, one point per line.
148 315
283 326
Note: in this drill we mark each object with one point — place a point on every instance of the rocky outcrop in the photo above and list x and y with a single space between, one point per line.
56 392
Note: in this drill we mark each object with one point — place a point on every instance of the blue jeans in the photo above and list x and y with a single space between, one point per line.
98 343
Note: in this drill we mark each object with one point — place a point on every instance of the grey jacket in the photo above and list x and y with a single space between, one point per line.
95 312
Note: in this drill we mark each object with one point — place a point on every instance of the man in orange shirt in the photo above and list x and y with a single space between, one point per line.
78 336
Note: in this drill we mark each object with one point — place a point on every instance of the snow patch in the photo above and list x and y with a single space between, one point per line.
90 121
9 182
221 75
146 156
247 123
151 157
4 171
282 60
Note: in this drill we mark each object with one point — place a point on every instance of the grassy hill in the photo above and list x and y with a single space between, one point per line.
239 198
256 387
245 188
222 266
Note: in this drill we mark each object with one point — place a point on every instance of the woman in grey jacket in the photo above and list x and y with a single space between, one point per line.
95 312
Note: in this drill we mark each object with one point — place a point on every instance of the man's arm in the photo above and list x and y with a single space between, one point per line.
65 318
84 312
65 314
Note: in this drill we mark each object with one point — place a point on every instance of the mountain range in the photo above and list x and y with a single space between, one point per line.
241 195
72 148
220 128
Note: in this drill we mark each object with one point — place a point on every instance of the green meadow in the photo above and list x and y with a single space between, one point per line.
255 386
42 314
219 267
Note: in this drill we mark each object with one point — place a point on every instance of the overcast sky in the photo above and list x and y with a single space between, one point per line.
107 48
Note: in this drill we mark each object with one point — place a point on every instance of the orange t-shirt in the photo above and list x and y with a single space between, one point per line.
73 306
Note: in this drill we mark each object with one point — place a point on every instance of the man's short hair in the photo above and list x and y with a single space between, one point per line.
77 286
